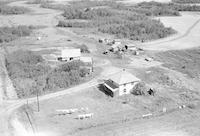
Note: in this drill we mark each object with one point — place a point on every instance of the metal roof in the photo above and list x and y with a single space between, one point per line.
123 77
67 53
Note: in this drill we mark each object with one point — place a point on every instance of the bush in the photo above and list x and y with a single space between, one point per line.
139 89
38 1
52 6
140 30
30 74
27 71
8 34
84 49
155 9
77 24
8 10
120 20
186 1
66 75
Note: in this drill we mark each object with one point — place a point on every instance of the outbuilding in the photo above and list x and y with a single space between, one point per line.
70 54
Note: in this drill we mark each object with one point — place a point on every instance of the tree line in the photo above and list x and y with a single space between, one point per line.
30 73
123 23
128 21
8 34
186 1
9 10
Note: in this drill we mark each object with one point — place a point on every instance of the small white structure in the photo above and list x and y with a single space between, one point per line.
120 83
117 41
70 54
87 60
38 38
83 116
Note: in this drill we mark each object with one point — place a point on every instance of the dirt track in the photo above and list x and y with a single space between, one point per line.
187 36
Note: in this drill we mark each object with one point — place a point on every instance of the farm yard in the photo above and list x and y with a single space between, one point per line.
163 54
111 115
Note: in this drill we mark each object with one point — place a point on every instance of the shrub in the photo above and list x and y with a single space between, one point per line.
155 9
67 67
120 20
84 72
24 57
7 10
73 24
140 30
84 49
139 89
52 6
8 34
73 13
186 1
38 1
30 74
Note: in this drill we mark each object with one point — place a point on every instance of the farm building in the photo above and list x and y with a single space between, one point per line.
87 60
70 54
120 83
117 41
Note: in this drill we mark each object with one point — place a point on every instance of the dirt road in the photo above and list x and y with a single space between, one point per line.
187 36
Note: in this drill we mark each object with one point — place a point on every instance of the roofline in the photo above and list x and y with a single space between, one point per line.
130 82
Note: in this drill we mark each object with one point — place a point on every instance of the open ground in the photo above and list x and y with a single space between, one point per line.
111 116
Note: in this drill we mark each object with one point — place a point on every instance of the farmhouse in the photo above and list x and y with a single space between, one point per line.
70 54
120 83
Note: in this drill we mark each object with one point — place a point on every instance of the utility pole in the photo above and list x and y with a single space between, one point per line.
92 65
38 104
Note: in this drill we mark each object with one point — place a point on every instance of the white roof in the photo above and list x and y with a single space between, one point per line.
115 46
86 59
123 77
67 53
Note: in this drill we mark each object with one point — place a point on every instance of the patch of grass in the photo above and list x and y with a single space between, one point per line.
185 61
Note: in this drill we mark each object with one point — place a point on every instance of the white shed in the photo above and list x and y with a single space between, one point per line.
70 54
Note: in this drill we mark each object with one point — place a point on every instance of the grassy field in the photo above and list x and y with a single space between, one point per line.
108 112
185 61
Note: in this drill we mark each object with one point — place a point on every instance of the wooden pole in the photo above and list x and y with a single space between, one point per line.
92 66
38 104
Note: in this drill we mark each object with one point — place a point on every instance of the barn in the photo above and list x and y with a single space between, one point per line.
70 54
120 83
